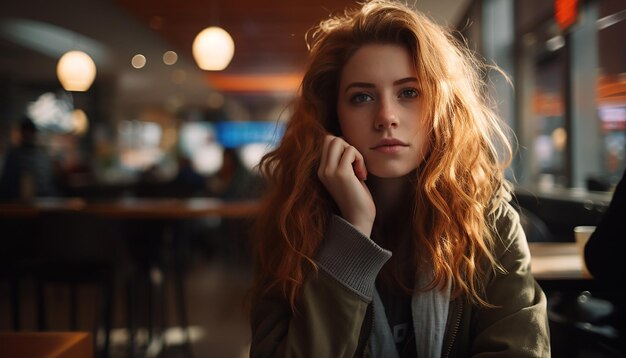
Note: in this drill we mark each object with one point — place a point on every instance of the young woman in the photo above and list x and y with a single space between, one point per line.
386 229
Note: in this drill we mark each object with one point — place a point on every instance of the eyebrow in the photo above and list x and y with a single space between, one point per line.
371 85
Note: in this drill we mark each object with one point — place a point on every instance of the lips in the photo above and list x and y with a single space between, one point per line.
389 142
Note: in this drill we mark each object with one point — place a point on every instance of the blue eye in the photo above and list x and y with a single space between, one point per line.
409 93
360 98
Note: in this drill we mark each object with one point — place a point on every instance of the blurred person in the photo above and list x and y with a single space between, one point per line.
386 228
233 180
604 258
604 252
28 170
187 176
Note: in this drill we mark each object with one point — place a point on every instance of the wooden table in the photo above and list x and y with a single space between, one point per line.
32 209
171 208
46 344
158 208
559 266
556 260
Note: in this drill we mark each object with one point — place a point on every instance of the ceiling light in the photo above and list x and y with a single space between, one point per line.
170 57
138 61
76 71
213 48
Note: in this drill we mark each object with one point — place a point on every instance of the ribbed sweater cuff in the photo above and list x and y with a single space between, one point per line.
351 257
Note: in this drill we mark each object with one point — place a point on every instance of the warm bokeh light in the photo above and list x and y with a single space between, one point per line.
170 58
80 122
208 158
213 48
138 61
252 153
139 143
281 82
76 71
559 138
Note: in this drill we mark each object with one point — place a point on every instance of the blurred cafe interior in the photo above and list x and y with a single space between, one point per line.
132 222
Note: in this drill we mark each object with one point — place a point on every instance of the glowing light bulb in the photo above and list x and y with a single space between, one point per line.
213 49
76 71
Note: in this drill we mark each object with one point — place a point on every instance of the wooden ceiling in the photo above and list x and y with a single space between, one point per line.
269 35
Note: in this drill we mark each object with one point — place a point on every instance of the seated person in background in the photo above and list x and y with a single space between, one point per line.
188 182
234 181
604 257
28 170
604 252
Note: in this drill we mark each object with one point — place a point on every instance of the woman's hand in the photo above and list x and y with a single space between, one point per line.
342 171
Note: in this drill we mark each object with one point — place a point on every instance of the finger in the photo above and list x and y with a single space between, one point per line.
353 162
323 158
359 166
336 148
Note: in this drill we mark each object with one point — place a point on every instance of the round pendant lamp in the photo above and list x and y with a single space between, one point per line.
76 71
213 48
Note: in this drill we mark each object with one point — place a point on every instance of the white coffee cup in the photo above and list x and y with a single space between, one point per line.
582 234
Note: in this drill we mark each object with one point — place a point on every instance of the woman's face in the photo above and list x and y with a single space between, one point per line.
380 109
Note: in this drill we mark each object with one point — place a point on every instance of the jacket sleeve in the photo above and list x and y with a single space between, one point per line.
518 325
332 304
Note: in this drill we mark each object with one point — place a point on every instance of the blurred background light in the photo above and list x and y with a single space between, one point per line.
52 112
138 61
80 123
237 134
76 71
170 58
208 158
251 154
213 48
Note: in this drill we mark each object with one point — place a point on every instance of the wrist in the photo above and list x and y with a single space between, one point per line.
364 226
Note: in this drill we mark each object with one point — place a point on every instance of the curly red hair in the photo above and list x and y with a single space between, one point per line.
455 185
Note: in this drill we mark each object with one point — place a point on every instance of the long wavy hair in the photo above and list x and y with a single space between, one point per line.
452 223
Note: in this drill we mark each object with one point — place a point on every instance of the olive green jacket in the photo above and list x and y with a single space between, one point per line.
335 314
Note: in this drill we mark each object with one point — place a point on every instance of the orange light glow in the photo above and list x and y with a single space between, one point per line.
611 90
255 83
565 12
548 104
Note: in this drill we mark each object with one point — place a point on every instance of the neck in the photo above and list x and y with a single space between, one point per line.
392 196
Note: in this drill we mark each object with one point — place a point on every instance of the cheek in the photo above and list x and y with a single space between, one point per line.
424 141
349 125
352 133
420 137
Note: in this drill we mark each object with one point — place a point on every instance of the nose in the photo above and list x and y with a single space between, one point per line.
387 116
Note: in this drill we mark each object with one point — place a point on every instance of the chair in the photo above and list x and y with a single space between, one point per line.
535 229
158 251
584 325
61 248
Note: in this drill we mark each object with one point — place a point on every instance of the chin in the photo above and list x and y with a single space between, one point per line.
390 173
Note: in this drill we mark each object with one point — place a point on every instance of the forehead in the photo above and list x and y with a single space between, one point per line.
374 63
